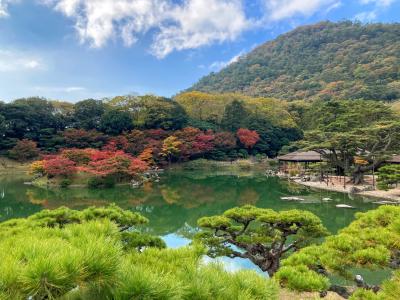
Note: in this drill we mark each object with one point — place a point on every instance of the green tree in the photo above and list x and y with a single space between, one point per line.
262 235
162 113
26 117
234 116
349 132
115 122
388 176
2 126
88 114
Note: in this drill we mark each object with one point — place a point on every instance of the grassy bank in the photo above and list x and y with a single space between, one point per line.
8 166
240 165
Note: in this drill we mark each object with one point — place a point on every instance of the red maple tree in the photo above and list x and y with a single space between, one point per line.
248 137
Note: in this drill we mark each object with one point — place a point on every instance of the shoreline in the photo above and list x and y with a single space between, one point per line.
390 195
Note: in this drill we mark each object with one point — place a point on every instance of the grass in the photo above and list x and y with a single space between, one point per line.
240 167
8 166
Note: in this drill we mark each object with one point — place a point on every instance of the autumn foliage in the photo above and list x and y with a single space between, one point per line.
24 150
97 163
248 137
59 166
128 155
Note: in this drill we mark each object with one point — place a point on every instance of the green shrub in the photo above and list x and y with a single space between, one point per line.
66 182
300 278
242 153
388 176
68 254
368 242
96 182
362 294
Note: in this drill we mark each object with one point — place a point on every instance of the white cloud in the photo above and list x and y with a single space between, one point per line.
200 22
370 16
4 6
382 3
366 16
11 61
52 89
175 25
277 10
186 25
218 65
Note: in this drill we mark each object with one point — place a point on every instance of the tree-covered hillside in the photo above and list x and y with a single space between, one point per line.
323 61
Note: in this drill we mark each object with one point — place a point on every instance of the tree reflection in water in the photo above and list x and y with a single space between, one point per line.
175 203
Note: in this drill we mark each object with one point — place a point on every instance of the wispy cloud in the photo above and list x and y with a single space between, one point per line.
4 7
218 65
277 10
381 3
378 6
67 89
366 16
11 61
176 26
185 25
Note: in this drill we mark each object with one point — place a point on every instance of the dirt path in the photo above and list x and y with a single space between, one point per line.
336 186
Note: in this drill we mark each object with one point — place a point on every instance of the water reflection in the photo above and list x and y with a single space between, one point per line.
181 197
175 203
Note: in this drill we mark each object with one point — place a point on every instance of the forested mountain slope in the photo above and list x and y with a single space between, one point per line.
323 61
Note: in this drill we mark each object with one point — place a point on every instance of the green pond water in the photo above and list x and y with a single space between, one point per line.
174 204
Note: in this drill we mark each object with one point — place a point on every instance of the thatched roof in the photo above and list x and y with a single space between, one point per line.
301 156
394 159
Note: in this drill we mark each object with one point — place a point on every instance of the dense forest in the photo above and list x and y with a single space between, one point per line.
326 60
168 130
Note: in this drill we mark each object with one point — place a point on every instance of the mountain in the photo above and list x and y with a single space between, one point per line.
326 60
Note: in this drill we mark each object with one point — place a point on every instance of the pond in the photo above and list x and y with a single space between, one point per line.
174 204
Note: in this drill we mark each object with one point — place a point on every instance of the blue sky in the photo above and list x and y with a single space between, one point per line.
76 49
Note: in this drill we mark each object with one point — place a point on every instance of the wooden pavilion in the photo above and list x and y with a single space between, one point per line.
300 159
394 160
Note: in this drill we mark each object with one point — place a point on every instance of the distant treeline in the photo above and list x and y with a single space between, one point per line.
207 125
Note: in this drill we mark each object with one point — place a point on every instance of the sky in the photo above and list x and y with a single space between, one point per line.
77 49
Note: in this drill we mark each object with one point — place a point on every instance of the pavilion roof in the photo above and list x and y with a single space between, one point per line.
301 156
394 159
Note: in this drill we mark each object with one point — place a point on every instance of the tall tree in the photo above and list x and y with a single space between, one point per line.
356 136
234 116
171 147
116 121
163 113
88 114
2 126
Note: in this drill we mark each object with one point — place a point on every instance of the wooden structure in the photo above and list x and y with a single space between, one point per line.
298 160
301 157
394 160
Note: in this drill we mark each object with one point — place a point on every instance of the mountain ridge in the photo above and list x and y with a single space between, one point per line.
326 60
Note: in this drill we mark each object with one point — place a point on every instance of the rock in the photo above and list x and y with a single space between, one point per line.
368 188
292 198
386 202
343 206
326 199
353 190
